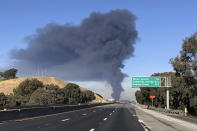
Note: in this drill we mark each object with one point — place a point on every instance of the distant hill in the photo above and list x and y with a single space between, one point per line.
7 86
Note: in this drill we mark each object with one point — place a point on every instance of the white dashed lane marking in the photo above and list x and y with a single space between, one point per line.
84 114
66 119
92 129
105 119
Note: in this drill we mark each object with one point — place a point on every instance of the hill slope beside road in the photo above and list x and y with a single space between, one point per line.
7 86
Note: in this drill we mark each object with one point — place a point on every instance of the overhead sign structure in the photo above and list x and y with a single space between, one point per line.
153 82
146 81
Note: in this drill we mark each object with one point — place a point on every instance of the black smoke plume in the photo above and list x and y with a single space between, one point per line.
94 50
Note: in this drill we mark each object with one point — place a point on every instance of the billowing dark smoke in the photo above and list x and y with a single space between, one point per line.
94 50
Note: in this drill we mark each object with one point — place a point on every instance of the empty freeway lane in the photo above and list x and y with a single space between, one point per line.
115 117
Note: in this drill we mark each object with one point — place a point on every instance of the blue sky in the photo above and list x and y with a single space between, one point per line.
162 26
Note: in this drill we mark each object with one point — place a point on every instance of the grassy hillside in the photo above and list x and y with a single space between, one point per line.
7 86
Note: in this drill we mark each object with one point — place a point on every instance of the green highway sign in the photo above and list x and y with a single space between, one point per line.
146 81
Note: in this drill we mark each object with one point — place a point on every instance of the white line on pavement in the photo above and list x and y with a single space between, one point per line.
105 119
110 114
66 119
140 121
146 128
92 129
168 118
84 114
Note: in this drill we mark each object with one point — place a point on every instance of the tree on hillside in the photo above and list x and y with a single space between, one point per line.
72 93
27 87
193 104
1 74
186 63
86 96
185 66
9 74
43 97
3 100
33 92
13 100
51 87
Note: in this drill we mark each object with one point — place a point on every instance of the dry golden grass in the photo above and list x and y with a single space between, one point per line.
7 86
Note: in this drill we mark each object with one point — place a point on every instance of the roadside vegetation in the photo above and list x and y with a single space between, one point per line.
183 92
34 92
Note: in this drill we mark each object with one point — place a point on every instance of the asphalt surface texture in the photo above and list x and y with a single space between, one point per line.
114 117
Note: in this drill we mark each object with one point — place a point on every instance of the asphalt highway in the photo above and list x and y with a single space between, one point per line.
115 117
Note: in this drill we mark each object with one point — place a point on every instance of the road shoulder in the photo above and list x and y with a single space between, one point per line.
158 121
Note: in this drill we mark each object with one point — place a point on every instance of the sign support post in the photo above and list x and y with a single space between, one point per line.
152 97
167 99
167 93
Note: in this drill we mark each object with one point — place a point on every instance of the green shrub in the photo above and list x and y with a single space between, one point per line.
51 87
71 92
33 92
3 99
27 87
14 100
43 97
87 96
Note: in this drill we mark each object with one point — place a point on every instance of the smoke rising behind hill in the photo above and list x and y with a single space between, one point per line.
92 51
